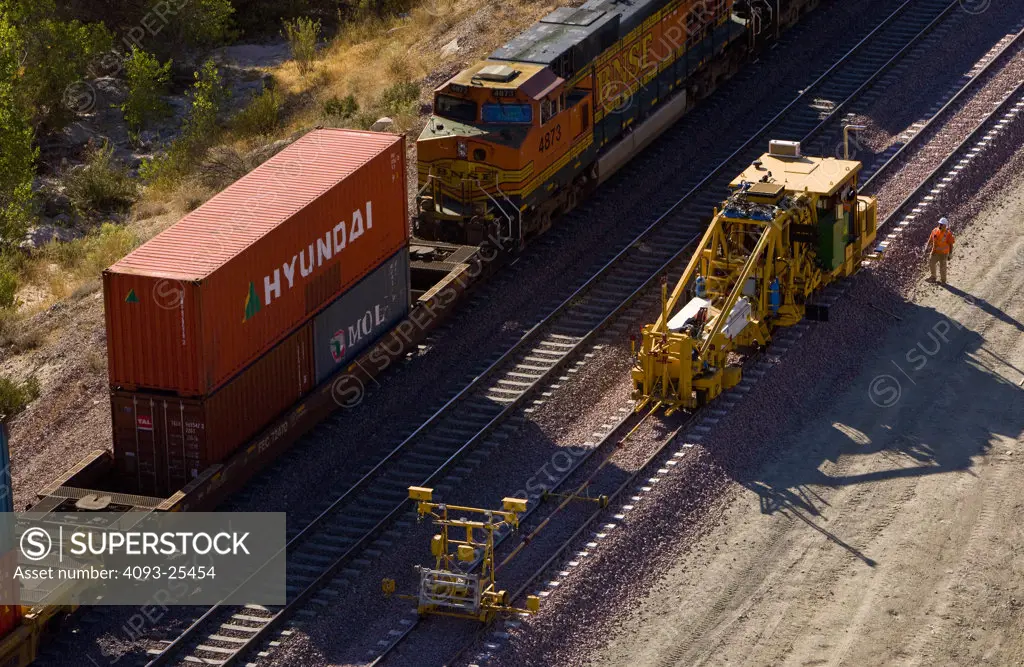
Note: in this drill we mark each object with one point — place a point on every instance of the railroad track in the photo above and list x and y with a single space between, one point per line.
981 136
322 556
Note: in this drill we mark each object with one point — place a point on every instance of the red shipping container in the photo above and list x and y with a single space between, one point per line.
162 442
191 308
10 614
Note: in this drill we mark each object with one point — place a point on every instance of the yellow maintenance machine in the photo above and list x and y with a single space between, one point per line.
451 588
792 225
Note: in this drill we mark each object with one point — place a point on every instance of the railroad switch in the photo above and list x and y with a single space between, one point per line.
451 587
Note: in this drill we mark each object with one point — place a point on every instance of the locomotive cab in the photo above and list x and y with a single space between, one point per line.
496 129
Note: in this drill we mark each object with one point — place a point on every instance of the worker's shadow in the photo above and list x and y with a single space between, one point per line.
984 306
881 427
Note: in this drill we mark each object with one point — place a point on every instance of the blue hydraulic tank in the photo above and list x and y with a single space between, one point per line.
700 287
774 296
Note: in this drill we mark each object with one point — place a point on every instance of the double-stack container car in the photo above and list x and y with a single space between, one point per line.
223 321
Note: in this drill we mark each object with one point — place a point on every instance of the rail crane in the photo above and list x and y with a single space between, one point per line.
791 225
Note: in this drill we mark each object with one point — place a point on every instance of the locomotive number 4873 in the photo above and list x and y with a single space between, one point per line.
550 137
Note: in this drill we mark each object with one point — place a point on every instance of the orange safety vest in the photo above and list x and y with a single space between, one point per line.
942 242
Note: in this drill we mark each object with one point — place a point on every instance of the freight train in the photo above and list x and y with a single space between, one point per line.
520 138
233 333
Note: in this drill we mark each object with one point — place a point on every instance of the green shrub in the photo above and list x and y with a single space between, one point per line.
8 287
17 152
203 23
101 184
207 95
303 34
57 56
105 246
400 97
340 108
260 116
15 396
147 82
88 256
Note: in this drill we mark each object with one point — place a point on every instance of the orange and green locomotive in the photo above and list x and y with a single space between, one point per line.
518 139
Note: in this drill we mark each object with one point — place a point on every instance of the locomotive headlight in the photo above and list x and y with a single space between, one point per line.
463 151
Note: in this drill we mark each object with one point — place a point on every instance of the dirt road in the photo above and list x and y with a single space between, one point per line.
892 529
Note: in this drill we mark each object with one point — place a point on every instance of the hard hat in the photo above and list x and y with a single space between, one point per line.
943 222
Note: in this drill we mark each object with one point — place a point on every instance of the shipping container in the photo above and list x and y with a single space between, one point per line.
10 614
161 442
360 316
6 488
191 308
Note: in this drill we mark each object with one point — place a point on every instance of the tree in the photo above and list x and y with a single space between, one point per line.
147 81
207 96
17 153
56 56
303 34
197 24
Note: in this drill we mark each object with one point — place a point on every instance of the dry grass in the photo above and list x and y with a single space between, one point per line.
59 271
370 60
371 55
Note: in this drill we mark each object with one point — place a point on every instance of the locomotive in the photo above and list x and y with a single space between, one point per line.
520 138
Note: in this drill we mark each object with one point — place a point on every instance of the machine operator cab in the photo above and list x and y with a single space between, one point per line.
476 155
841 215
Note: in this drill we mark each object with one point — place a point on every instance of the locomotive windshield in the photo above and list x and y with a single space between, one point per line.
455 108
507 113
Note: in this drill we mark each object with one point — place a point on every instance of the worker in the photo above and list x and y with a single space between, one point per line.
940 245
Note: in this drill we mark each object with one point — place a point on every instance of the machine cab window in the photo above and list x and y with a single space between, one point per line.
455 108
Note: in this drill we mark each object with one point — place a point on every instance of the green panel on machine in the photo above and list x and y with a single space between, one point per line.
831 241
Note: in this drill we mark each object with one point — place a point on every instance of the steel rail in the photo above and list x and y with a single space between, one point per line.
970 85
174 648
914 197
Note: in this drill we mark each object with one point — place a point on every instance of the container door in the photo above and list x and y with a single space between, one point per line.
137 451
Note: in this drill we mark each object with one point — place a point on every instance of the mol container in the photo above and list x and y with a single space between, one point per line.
194 306
360 316
162 441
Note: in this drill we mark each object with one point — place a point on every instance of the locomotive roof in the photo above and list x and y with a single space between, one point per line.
595 26
535 81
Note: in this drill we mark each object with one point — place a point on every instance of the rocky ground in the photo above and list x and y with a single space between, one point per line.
884 525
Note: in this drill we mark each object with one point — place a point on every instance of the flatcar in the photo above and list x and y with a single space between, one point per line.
523 136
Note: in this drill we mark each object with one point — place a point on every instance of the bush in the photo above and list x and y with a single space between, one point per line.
260 116
207 96
341 108
400 97
167 170
147 82
8 287
102 184
17 152
203 23
303 34
87 257
15 396
57 56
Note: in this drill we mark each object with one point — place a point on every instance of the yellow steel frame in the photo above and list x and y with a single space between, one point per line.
449 549
679 371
